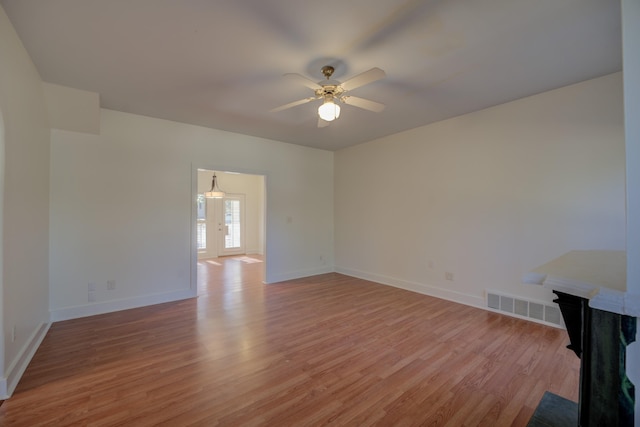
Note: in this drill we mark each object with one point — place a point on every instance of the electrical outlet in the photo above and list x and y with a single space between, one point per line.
448 276
111 285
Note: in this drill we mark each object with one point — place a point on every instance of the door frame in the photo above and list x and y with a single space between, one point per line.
193 267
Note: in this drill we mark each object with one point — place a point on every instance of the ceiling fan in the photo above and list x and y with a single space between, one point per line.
332 92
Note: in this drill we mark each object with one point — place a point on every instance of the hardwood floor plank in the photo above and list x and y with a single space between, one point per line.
328 349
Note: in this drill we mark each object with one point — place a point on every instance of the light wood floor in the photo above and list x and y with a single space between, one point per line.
328 349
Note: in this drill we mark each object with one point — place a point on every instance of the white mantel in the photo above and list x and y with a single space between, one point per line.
599 276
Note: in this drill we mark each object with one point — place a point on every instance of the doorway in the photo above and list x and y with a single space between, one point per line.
233 225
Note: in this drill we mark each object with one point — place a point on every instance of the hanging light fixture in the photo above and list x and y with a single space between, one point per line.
215 192
329 110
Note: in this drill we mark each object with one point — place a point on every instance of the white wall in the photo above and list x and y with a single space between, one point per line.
121 209
252 187
24 191
487 196
72 109
631 69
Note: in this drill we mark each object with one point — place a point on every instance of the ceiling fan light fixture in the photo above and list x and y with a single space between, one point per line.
215 192
332 92
329 110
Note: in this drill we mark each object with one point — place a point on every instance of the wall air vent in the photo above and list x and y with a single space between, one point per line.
536 311
493 301
541 312
552 315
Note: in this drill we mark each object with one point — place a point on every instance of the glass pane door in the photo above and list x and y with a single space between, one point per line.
232 223
233 229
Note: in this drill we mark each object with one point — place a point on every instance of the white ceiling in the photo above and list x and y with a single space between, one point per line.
219 63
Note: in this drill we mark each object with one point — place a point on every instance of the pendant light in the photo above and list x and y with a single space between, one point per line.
215 192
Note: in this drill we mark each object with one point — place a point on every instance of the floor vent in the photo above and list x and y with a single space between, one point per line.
549 313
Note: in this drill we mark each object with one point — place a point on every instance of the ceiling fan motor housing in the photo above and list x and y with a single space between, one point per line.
329 92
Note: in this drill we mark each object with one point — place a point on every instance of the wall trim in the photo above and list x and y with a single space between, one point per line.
420 288
9 383
291 275
92 309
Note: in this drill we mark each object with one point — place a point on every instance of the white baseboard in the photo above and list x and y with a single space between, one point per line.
17 367
92 309
420 288
291 275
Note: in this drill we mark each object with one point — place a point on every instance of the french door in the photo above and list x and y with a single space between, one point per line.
231 225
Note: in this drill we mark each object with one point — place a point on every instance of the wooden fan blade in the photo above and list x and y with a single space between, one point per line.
303 81
291 104
363 78
323 123
363 103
